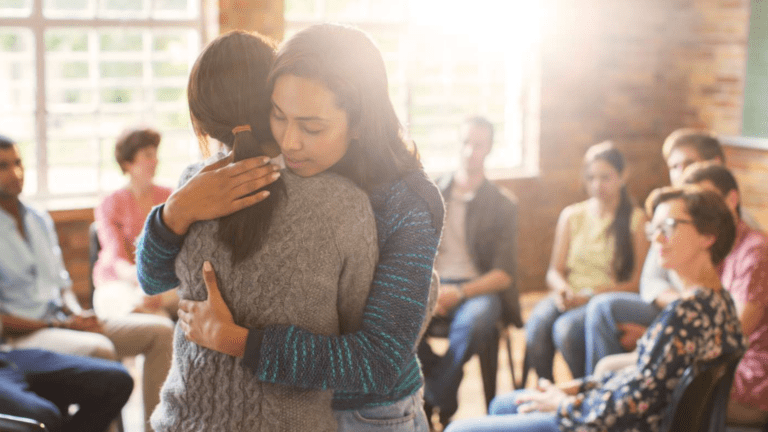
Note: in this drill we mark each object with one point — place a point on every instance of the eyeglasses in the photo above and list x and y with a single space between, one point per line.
667 227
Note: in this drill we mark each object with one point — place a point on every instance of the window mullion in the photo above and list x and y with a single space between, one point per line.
41 118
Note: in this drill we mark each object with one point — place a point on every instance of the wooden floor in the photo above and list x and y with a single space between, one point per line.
471 396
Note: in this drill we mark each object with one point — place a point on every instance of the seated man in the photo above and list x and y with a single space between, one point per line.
744 274
42 385
38 306
476 265
614 321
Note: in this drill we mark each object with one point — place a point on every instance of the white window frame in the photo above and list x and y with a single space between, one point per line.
38 23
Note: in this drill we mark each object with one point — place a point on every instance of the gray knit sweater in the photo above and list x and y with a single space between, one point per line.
314 270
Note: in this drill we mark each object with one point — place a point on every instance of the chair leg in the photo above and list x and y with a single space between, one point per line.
508 339
526 368
489 362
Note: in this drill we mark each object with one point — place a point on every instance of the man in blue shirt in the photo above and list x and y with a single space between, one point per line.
37 305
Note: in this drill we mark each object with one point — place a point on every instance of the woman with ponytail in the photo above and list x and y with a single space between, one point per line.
304 255
599 247
328 86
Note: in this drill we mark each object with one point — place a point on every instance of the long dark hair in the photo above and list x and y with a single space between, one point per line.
623 262
347 62
227 88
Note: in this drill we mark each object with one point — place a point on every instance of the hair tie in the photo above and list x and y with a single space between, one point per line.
242 128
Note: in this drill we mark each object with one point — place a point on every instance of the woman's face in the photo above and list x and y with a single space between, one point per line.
674 236
144 164
310 129
603 181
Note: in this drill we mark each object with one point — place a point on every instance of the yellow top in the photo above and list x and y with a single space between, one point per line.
592 246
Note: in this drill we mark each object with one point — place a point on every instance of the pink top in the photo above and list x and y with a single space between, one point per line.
745 276
120 221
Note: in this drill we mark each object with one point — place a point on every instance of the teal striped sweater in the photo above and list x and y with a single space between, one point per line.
374 366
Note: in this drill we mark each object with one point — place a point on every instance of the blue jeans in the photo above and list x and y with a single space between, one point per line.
548 329
472 329
604 313
405 415
41 385
503 417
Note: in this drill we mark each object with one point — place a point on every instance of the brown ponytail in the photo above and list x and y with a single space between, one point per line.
227 89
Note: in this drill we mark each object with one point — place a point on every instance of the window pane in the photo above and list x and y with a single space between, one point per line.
72 151
15 8
177 150
69 8
17 96
123 8
66 41
297 9
121 41
170 69
121 69
17 71
122 95
80 178
176 9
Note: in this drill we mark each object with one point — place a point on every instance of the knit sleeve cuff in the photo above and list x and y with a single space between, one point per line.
252 354
159 228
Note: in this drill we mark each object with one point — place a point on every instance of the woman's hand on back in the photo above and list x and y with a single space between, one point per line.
218 190
209 323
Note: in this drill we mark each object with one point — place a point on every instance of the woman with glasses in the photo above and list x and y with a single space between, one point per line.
599 247
692 231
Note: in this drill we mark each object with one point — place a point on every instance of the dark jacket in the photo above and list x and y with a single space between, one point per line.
492 238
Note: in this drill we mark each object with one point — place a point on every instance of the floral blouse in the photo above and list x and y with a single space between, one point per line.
697 328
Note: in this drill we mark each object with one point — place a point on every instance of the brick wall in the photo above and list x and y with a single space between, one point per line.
264 16
72 228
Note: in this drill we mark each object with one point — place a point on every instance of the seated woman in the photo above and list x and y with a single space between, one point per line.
599 247
692 231
744 274
120 218
303 256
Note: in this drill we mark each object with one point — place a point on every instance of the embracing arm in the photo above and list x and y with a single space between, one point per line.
219 189
372 359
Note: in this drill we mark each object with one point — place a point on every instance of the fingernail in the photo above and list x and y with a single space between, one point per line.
207 266
265 160
275 175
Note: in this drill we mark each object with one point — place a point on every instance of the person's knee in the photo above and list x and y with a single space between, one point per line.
600 308
162 334
565 332
120 382
101 347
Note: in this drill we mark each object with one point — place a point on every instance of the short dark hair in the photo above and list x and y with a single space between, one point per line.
704 142
6 143
716 173
720 176
708 211
131 141
478 120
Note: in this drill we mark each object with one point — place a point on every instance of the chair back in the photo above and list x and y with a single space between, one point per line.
700 399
